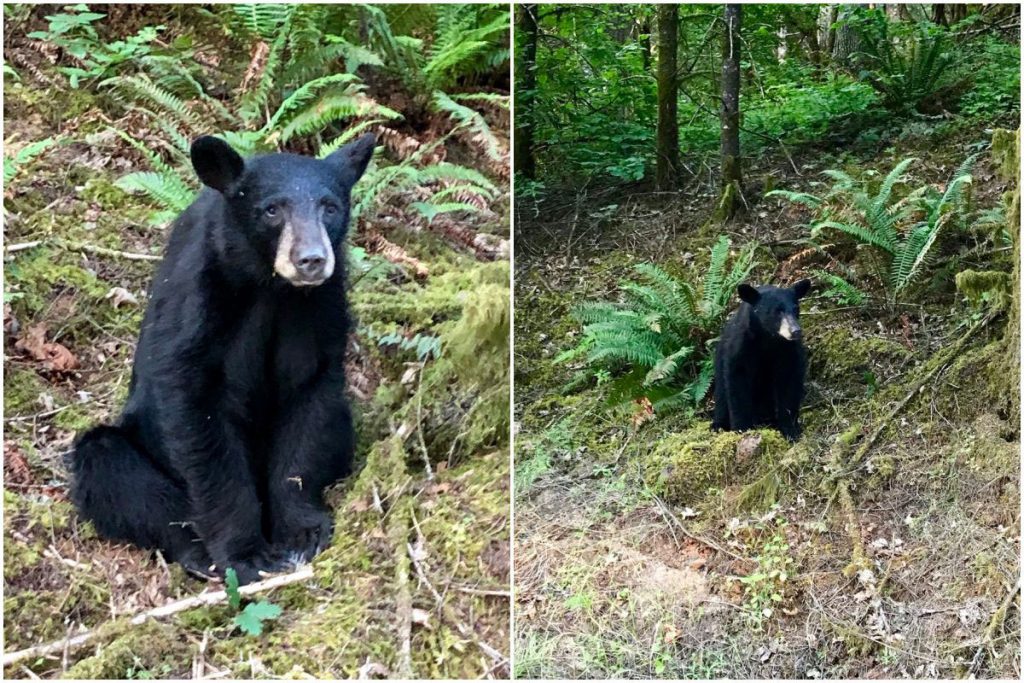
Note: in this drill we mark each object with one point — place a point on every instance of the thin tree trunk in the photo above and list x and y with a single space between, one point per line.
732 172
831 14
668 97
526 26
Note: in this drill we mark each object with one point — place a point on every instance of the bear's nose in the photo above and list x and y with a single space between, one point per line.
310 262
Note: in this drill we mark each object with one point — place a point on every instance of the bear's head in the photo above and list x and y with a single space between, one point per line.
293 210
776 310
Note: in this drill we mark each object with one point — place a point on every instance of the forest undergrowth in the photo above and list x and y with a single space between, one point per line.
100 105
883 544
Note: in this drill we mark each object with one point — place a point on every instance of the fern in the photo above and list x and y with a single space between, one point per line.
141 89
658 331
903 230
839 289
473 121
25 155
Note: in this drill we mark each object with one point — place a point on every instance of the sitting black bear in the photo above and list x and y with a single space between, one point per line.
237 417
760 362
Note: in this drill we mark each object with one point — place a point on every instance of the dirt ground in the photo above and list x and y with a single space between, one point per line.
614 581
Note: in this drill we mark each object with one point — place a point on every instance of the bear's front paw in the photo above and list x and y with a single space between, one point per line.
306 537
260 565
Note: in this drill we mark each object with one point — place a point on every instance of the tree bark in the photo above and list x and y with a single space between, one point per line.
526 69
732 174
668 97
847 40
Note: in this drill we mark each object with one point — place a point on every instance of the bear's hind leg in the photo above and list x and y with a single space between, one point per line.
128 498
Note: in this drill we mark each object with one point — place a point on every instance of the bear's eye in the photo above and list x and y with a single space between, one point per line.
330 209
270 211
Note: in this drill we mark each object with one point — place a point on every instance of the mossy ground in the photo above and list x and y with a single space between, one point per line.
653 551
60 578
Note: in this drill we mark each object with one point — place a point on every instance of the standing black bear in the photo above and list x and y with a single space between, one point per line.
760 362
237 417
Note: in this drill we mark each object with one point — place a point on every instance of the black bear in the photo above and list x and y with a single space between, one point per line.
760 362
236 417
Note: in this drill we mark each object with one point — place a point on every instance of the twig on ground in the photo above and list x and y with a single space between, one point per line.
693 536
994 624
203 599
87 248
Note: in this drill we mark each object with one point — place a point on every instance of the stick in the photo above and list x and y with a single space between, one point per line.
88 248
694 537
211 598
994 624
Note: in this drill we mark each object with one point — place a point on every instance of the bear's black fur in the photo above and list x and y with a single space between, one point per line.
760 362
236 418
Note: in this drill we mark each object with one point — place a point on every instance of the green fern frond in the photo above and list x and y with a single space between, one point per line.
808 200
140 89
25 155
471 119
168 191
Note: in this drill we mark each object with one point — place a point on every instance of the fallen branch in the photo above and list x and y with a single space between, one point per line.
185 604
859 560
87 248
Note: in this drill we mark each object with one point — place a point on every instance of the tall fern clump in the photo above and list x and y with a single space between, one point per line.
305 89
904 62
902 228
659 337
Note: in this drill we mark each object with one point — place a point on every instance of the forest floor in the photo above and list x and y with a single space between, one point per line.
614 581
416 582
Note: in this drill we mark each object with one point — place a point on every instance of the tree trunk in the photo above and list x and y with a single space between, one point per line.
847 41
939 15
668 97
526 69
732 176
828 39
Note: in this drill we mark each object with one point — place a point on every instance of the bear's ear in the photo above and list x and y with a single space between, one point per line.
748 294
352 159
801 288
216 164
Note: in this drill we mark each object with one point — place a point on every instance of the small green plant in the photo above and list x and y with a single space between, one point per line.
250 619
73 31
424 345
765 588
903 228
658 338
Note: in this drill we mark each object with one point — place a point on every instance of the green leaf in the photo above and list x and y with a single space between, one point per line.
255 613
231 588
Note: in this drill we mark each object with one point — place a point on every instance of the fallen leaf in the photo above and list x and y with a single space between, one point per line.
54 356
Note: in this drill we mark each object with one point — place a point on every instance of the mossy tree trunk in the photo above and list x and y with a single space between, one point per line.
526 26
668 97
1006 150
732 172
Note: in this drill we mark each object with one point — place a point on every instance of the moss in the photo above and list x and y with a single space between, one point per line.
150 650
686 465
840 358
22 389
991 287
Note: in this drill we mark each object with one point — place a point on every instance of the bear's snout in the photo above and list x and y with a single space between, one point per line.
790 329
305 256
